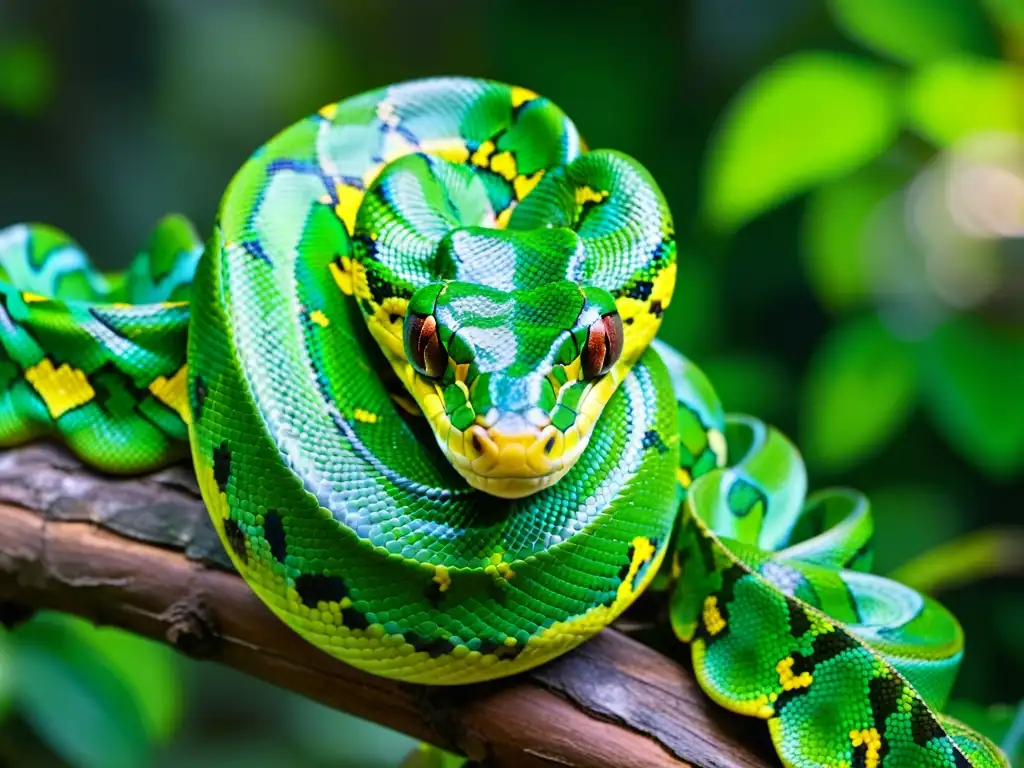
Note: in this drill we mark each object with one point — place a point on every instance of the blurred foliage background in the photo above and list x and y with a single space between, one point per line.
847 178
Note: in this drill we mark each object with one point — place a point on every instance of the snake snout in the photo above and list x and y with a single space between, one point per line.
515 446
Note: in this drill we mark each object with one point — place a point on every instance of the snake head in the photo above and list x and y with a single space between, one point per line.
512 382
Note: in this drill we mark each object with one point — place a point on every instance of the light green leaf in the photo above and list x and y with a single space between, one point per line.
73 699
915 31
808 119
1006 13
974 380
148 669
980 554
834 229
954 98
428 756
860 388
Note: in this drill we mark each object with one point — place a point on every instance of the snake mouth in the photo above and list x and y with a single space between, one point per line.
513 464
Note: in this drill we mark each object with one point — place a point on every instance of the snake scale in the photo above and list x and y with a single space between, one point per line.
437 437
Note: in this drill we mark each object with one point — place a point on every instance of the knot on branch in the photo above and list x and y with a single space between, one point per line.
191 627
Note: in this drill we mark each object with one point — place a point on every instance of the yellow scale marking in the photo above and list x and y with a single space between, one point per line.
450 149
171 392
347 206
364 416
645 324
319 318
501 222
499 567
521 95
870 737
788 680
585 194
441 578
504 165
523 185
712 616
61 388
482 156
351 278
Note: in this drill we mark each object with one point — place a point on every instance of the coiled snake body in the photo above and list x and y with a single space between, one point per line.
492 462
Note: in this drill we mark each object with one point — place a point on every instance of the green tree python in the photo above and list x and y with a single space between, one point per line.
437 437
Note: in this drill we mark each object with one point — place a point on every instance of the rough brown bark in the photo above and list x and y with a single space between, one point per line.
140 554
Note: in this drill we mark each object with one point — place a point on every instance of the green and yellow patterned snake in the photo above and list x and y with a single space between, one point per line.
510 284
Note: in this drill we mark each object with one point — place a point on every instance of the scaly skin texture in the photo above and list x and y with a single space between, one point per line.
448 249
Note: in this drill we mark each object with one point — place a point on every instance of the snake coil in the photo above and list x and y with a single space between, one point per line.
436 436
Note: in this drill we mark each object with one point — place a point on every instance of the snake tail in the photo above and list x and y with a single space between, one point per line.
786 624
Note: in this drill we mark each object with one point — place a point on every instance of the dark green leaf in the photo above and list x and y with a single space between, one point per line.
808 119
915 31
74 699
26 76
693 320
975 377
748 383
337 737
954 98
859 390
911 520
6 674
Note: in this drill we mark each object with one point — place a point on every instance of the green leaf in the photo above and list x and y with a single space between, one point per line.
26 76
978 555
955 98
808 119
860 388
149 670
333 737
74 699
974 380
748 383
835 226
915 31
911 520
693 321
1006 13
428 756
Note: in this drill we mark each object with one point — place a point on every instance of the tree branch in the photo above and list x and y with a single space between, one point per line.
140 554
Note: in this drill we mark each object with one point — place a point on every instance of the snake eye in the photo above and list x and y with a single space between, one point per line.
604 346
423 346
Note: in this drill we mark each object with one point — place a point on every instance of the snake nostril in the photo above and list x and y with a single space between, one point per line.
549 445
